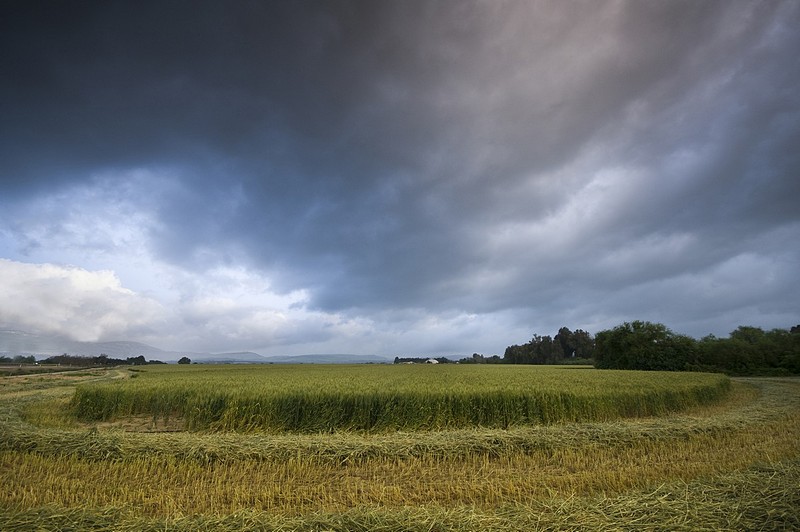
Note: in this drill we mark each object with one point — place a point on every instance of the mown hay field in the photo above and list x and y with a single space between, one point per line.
715 454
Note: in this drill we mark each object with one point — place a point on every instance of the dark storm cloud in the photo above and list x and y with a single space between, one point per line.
460 156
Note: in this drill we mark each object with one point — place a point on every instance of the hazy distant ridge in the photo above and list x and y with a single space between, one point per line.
14 342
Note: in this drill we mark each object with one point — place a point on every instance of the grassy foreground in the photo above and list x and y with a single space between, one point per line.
730 466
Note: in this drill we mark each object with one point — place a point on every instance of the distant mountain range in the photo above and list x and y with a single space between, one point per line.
14 342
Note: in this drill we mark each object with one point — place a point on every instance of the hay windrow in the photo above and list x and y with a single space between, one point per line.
761 498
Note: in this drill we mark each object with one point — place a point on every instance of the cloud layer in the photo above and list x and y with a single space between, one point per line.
85 305
378 177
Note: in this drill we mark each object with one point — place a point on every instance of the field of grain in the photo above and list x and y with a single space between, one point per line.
722 460
388 398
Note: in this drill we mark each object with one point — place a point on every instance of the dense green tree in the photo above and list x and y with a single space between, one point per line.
546 350
564 347
643 345
578 344
749 335
751 350
480 359
184 360
515 354
564 339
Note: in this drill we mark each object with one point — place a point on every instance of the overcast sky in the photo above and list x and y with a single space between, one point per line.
404 177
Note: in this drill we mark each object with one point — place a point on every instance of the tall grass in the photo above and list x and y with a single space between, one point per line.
386 398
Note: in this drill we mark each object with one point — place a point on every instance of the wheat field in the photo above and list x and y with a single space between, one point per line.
727 460
379 398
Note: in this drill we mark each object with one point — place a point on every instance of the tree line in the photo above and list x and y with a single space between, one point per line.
100 360
643 345
18 359
86 361
565 347
653 346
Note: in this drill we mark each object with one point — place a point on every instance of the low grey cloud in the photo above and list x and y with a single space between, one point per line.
491 167
70 301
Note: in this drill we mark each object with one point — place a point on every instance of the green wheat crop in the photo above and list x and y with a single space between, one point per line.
386 398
